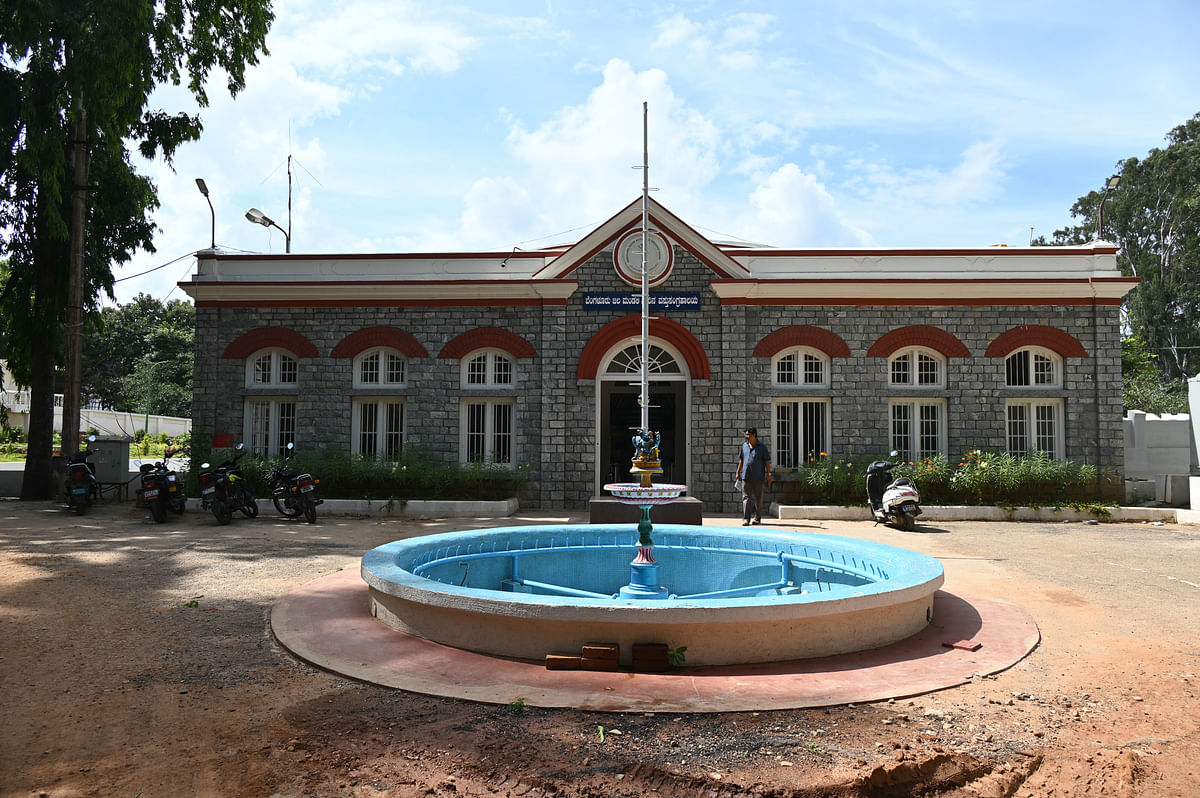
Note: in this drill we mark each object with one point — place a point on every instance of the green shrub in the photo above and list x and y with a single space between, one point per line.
980 478
418 474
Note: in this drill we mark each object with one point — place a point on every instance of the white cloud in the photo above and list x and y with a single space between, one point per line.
793 209
977 177
351 36
580 160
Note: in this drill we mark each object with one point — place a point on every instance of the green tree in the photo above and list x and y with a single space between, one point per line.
141 351
75 82
1144 388
1154 218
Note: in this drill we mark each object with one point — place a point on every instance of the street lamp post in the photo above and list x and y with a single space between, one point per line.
258 217
1109 187
200 184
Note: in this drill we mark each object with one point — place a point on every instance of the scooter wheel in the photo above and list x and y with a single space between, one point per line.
156 510
907 522
310 511
80 506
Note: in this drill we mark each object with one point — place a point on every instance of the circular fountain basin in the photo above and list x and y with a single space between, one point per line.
735 596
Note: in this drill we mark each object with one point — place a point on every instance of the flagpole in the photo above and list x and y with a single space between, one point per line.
645 277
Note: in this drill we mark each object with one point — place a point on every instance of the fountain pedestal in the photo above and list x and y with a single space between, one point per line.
643 571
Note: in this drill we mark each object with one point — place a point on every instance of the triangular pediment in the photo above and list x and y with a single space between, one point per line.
630 218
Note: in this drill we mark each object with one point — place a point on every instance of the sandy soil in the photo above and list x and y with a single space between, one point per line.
137 660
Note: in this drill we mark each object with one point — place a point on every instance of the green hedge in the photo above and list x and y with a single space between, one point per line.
419 474
980 478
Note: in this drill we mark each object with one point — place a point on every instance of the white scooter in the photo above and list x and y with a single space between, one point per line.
895 502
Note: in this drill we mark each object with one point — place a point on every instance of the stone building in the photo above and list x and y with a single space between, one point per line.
531 358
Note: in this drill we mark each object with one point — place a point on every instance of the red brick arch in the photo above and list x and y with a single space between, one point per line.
627 327
939 341
270 338
1052 338
488 338
802 335
357 342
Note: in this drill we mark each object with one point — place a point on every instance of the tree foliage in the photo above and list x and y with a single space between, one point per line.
75 82
142 353
1154 218
1144 387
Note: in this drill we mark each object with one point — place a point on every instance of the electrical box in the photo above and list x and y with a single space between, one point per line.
111 458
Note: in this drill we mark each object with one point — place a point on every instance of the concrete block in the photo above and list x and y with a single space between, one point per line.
1172 489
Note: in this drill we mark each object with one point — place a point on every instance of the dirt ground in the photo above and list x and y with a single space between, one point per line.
137 660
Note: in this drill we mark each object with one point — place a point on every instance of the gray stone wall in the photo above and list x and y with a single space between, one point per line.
555 422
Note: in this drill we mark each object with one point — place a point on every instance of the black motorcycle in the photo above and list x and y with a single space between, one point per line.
162 489
224 489
82 486
294 493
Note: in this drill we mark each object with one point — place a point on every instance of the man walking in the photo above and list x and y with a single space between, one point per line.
754 470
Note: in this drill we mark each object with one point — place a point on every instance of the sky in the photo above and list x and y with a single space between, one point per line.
477 125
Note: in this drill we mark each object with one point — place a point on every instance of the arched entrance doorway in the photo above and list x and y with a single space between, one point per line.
619 415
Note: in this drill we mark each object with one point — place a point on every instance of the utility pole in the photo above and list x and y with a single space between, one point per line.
73 389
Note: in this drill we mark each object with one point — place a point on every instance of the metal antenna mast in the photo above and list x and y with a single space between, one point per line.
645 398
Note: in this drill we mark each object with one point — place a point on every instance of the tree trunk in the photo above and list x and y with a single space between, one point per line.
74 336
41 479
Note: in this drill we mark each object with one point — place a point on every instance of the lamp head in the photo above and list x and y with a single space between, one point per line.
258 217
200 184
1112 183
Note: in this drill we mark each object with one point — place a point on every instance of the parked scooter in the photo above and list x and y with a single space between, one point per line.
224 489
82 486
294 493
895 502
161 488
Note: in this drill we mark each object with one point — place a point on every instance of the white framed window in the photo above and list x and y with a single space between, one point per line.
1034 425
1033 368
488 369
800 430
377 427
629 361
917 367
801 368
486 431
270 424
917 427
271 368
380 367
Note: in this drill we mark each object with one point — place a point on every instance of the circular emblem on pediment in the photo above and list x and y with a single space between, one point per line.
627 257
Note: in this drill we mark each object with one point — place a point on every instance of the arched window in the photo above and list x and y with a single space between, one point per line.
917 425
629 361
917 367
377 425
269 368
269 421
486 432
800 367
380 367
488 368
1033 367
